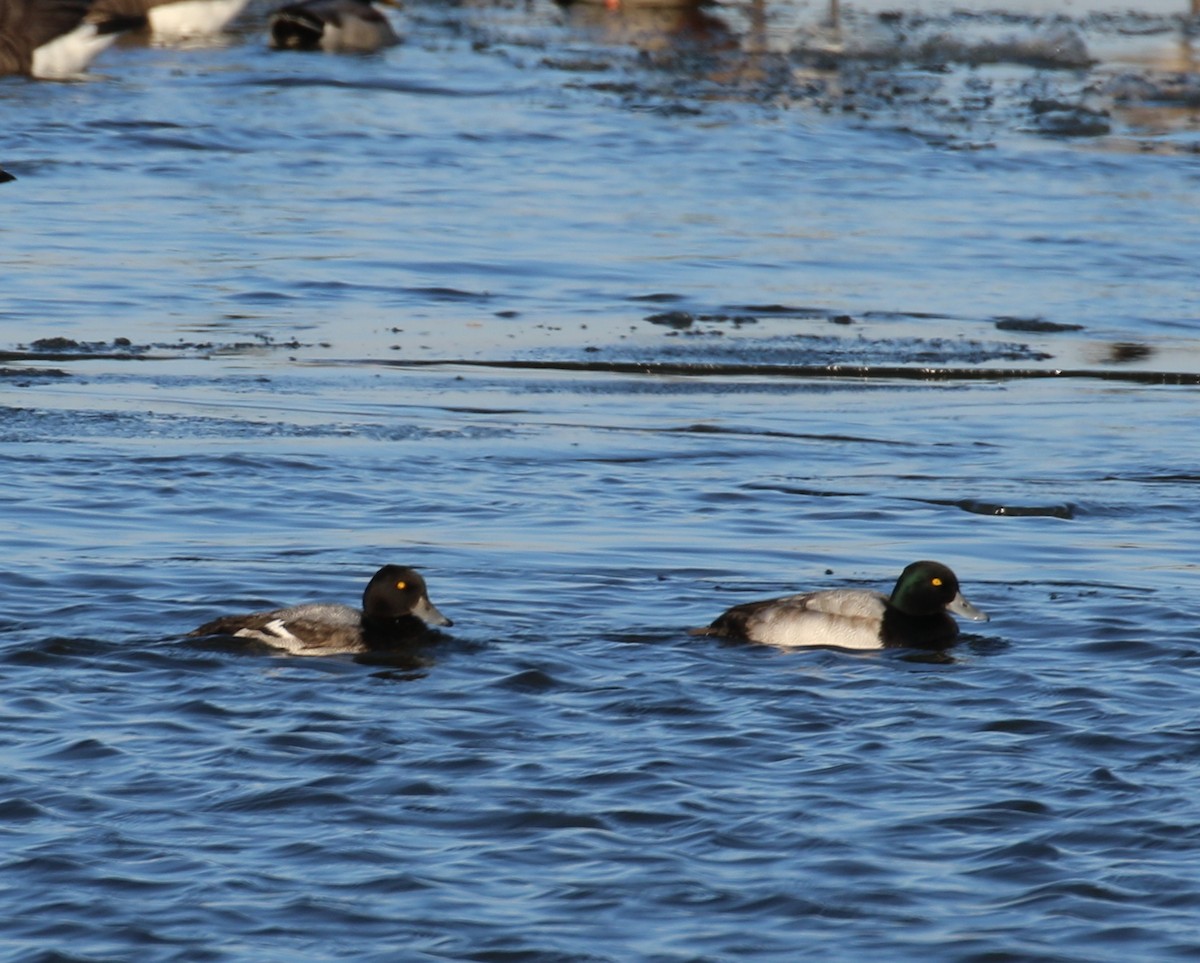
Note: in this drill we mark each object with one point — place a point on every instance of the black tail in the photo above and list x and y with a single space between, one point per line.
294 28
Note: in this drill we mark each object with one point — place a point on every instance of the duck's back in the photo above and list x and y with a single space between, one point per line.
317 627
848 603
327 613
845 618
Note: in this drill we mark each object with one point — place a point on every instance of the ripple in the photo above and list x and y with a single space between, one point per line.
978 507
286 798
379 328
21 810
84 750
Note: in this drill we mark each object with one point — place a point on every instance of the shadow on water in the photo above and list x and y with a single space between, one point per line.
815 372
381 84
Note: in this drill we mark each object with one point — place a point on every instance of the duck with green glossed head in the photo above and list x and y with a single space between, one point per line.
915 615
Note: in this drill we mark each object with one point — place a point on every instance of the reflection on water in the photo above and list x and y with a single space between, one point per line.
650 26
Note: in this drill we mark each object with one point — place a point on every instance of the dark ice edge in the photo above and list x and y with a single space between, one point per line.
805 371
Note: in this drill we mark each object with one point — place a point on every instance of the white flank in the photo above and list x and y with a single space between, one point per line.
799 630
193 18
68 54
332 37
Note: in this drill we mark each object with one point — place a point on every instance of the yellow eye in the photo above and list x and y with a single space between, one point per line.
935 581
402 585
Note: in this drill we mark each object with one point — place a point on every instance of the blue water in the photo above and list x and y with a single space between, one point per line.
272 321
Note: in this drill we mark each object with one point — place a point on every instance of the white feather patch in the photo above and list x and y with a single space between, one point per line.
193 18
68 54
274 633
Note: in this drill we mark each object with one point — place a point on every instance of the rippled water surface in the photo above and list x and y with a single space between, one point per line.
606 324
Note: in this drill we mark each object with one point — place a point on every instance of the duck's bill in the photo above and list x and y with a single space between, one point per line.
960 606
428 613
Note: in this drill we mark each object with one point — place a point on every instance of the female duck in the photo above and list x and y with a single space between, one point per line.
351 26
396 611
914 615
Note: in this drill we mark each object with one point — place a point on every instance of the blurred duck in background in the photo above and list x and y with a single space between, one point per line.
180 19
57 39
348 26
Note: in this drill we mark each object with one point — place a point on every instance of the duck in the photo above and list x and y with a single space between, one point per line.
180 19
396 611
348 26
915 615
57 39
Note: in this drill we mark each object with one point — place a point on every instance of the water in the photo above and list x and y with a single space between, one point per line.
271 321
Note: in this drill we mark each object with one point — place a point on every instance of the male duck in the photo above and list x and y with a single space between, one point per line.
351 26
396 611
914 615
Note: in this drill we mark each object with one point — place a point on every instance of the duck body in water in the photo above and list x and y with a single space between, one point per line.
396 612
180 19
916 614
338 26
